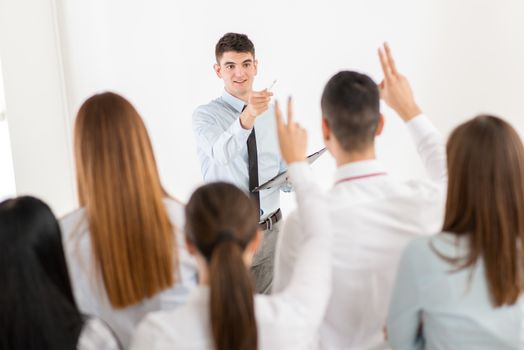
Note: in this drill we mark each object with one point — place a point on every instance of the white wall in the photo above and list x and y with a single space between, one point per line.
35 101
7 176
462 58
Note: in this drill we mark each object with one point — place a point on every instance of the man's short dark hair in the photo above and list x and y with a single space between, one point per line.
233 42
351 105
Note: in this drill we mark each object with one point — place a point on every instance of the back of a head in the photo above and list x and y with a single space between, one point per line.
37 309
351 106
485 201
233 42
220 221
118 183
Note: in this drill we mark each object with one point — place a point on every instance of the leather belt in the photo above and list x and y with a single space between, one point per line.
272 219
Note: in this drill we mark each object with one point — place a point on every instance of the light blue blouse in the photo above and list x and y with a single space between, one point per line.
435 306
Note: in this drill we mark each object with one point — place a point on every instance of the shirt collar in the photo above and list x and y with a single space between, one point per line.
358 170
233 101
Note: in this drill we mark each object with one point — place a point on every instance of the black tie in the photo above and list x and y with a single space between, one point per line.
252 161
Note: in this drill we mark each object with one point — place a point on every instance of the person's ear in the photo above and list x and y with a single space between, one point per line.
216 68
326 130
255 242
380 125
255 65
191 247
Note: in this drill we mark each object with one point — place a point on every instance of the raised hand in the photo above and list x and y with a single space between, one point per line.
395 89
291 136
257 104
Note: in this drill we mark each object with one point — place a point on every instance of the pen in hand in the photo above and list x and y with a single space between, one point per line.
272 84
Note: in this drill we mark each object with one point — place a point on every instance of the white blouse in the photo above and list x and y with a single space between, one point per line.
96 335
88 287
287 320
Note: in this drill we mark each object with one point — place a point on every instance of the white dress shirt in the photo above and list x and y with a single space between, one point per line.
287 320
88 287
222 147
373 216
454 306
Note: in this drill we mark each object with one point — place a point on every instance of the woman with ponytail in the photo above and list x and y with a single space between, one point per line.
222 232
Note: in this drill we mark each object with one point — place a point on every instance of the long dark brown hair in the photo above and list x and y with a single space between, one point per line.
485 201
37 308
119 186
220 221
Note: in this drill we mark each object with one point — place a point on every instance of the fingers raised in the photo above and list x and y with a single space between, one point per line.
384 64
390 60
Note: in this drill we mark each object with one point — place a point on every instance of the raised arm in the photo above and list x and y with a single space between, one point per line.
306 296
396 92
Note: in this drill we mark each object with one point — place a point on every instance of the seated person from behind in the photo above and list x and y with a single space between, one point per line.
373 215
125 246
463 288
222 231
37 307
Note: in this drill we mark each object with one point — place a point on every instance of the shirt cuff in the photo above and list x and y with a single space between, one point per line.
420 127
237 130
300 173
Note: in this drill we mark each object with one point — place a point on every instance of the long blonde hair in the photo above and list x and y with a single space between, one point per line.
118 184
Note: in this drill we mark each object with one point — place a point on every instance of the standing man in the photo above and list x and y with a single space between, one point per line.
237 143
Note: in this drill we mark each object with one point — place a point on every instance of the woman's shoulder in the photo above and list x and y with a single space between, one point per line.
175 210
184 326
70 221
442 240
97 335
73 221
431 253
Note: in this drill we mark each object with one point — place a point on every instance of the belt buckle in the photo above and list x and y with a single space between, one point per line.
268 223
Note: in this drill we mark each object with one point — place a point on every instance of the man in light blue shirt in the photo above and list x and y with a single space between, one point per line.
237 143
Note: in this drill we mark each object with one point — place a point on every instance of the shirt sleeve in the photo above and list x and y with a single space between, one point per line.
307 293
405 311
286 252
430 146
220 145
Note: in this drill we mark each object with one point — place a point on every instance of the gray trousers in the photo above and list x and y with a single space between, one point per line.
264 260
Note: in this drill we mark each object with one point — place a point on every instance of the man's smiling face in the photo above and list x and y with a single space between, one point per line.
237 70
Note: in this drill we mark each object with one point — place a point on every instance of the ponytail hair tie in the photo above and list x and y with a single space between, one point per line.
225 235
